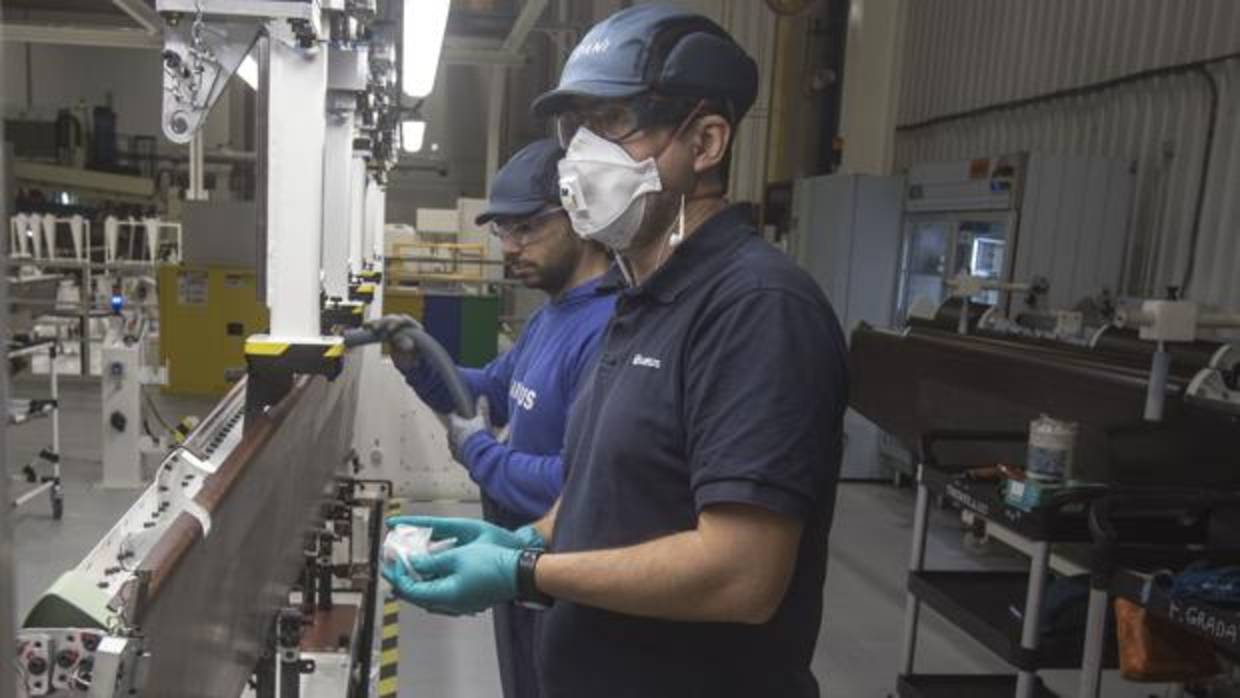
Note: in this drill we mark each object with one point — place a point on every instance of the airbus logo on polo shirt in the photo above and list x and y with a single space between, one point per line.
522 395
647 361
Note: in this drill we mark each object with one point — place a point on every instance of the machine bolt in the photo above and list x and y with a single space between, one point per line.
66 659
36 666
180 125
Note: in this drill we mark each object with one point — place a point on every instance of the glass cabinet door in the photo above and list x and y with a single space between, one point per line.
940 246
981 250
923 270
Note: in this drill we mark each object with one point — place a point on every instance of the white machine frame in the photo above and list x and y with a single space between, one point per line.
33 236
160 234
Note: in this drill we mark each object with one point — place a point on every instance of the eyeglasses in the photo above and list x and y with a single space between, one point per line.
618 121
524 232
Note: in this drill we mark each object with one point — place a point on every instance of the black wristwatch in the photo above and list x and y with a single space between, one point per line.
528 594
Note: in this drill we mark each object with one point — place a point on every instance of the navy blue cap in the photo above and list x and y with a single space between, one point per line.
656 48
526 183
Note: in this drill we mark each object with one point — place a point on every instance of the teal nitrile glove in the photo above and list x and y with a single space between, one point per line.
460 429
459 581
467 531
530 538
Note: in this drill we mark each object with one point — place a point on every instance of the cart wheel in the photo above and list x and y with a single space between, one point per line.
31 476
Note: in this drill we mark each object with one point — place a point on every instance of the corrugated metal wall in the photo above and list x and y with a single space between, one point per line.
966 54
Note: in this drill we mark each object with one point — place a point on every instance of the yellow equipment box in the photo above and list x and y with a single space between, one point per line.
205 314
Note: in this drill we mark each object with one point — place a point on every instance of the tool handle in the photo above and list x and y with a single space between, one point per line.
360 336
433 352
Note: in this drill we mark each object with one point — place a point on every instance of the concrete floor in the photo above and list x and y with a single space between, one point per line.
454 658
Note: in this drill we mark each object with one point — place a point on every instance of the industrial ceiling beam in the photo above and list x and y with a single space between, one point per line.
455 51
521 28
143 14
21 32
458 50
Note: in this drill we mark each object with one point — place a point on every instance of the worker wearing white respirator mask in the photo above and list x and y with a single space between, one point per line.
610 183
687 553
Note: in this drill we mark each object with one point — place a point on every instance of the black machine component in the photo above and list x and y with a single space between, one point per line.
340 314
930 378
268 492
273 365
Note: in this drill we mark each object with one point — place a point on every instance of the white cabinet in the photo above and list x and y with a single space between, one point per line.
846 233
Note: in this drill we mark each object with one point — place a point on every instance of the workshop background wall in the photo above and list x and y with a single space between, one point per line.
452 163
960 55
65 76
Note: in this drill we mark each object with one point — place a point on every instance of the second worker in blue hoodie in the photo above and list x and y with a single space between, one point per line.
528 390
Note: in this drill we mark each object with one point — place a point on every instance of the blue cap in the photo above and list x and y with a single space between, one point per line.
656 48
526 183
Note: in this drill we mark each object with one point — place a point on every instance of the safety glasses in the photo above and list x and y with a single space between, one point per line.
618 121
524 232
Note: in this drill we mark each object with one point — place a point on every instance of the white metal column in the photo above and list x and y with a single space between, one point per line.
872 65
372 225
337 202
357 211
121 392
379 236
296 81
197 169
7 567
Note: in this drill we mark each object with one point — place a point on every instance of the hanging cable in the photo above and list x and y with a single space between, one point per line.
1190 264
150 404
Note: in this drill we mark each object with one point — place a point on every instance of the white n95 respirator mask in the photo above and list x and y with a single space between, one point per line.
604 190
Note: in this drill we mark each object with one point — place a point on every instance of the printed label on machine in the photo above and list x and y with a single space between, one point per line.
192 288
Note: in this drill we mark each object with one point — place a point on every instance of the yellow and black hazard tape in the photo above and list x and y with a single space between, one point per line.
389 644
320 358
363 292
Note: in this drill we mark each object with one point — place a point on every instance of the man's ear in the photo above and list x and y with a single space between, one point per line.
710 143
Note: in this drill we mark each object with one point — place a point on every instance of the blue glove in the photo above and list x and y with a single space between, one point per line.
460 429
467 531
459 581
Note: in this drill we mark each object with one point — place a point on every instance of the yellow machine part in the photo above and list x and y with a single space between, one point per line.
206 313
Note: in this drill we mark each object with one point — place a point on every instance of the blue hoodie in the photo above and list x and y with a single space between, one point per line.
530 389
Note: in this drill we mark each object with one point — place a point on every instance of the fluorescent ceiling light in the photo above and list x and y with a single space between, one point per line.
248 71
411 134
423 27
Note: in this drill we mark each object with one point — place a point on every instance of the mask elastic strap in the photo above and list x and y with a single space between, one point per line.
679 236
623 265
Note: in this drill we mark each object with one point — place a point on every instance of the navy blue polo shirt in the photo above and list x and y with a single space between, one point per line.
722 379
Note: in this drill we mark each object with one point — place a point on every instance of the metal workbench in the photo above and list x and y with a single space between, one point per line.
981 603
23 411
